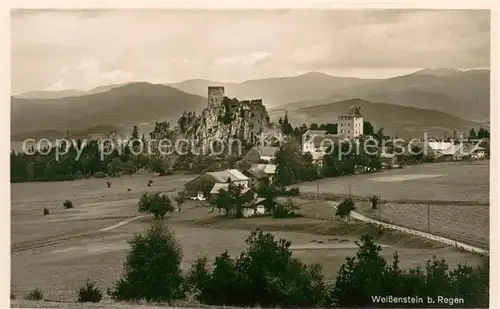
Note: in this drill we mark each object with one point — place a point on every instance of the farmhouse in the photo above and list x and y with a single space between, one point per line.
259 154
463 151
223 186
205 182
260 175
317 143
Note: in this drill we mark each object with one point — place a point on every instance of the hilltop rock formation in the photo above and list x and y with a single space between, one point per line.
225 119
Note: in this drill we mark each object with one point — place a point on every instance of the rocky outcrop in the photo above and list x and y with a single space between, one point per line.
225 119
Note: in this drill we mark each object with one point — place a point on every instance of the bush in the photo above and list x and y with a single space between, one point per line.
152 270
89 292
285 210
108 184
99 175
35 295
150 182
12 296
128 189
46 211
345 207
68 204
155 203
293 192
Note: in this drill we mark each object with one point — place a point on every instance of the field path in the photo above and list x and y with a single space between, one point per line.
440 239
122 223
51 241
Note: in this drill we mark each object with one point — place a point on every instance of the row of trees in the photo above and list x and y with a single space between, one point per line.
267 275
83 161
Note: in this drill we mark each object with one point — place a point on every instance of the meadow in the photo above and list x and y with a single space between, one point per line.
57 252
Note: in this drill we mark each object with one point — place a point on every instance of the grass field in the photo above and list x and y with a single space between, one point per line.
57 252
445 182
456 195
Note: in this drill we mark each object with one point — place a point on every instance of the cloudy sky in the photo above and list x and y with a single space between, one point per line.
55 50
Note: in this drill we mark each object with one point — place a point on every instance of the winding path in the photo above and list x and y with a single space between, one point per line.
440 239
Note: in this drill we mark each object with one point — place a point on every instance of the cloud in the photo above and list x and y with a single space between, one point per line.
84 49
87 72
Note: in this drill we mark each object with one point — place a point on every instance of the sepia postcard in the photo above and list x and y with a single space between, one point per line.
282 157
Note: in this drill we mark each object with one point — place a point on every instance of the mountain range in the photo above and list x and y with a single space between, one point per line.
396 120
459 99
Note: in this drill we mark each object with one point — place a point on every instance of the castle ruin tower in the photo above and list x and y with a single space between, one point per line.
215 96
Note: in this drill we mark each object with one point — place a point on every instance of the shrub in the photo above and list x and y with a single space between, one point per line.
89 292
150 182
293 192
285 210
128 189
46 211
345 207
68 204
155 203
12 296
152 270
35 295
108 184
99 175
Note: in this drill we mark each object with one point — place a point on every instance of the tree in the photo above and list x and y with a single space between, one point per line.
155 203
344 209
180 199
286 127
231 199
198 276
314 126
135 142
115 167
361 277
269 193
264 275
374 201
368 274
483 133
152 270
379 135
331 128
472 133
368 128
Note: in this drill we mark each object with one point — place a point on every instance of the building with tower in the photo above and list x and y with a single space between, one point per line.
351 125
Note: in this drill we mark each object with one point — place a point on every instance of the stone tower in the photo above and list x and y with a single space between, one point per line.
215 96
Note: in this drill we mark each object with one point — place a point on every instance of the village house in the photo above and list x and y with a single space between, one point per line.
317 143
260 175
259 154
463 151
206 181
